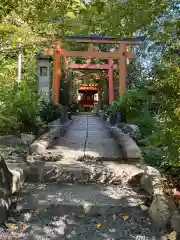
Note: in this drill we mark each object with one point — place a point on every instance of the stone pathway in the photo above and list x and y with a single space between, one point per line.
84 192
87 153
87 135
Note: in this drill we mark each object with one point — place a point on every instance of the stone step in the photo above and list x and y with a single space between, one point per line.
54 199
78 172
79 212
51 168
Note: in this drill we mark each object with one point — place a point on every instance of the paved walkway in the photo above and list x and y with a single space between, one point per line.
88 135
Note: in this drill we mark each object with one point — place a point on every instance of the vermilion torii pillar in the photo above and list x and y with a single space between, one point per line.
111 81
122 69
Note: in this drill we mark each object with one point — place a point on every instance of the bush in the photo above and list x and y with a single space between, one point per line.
146 124
50 112
19 110
135 105
153 156
132 102
22 111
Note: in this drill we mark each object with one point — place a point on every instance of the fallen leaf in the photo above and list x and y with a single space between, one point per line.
99 225
125 218
172 236
12 226
138 201
144 207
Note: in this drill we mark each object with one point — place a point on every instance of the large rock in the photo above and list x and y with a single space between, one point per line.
130 148
56 130
10 182
5 189
17 179
159 211
40 144
152 181
132 130
162 206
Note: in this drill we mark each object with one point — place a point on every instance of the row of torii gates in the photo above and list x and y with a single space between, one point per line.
122 54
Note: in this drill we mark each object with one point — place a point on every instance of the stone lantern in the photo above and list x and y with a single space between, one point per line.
44 77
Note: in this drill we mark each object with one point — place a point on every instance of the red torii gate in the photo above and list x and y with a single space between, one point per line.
108 67
122 54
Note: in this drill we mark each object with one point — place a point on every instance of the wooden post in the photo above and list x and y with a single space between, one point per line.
111 81
122 69
56 74
88 61
90 49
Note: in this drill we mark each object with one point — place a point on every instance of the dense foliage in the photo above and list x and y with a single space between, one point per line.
49 112
135 105
21 110
153 99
